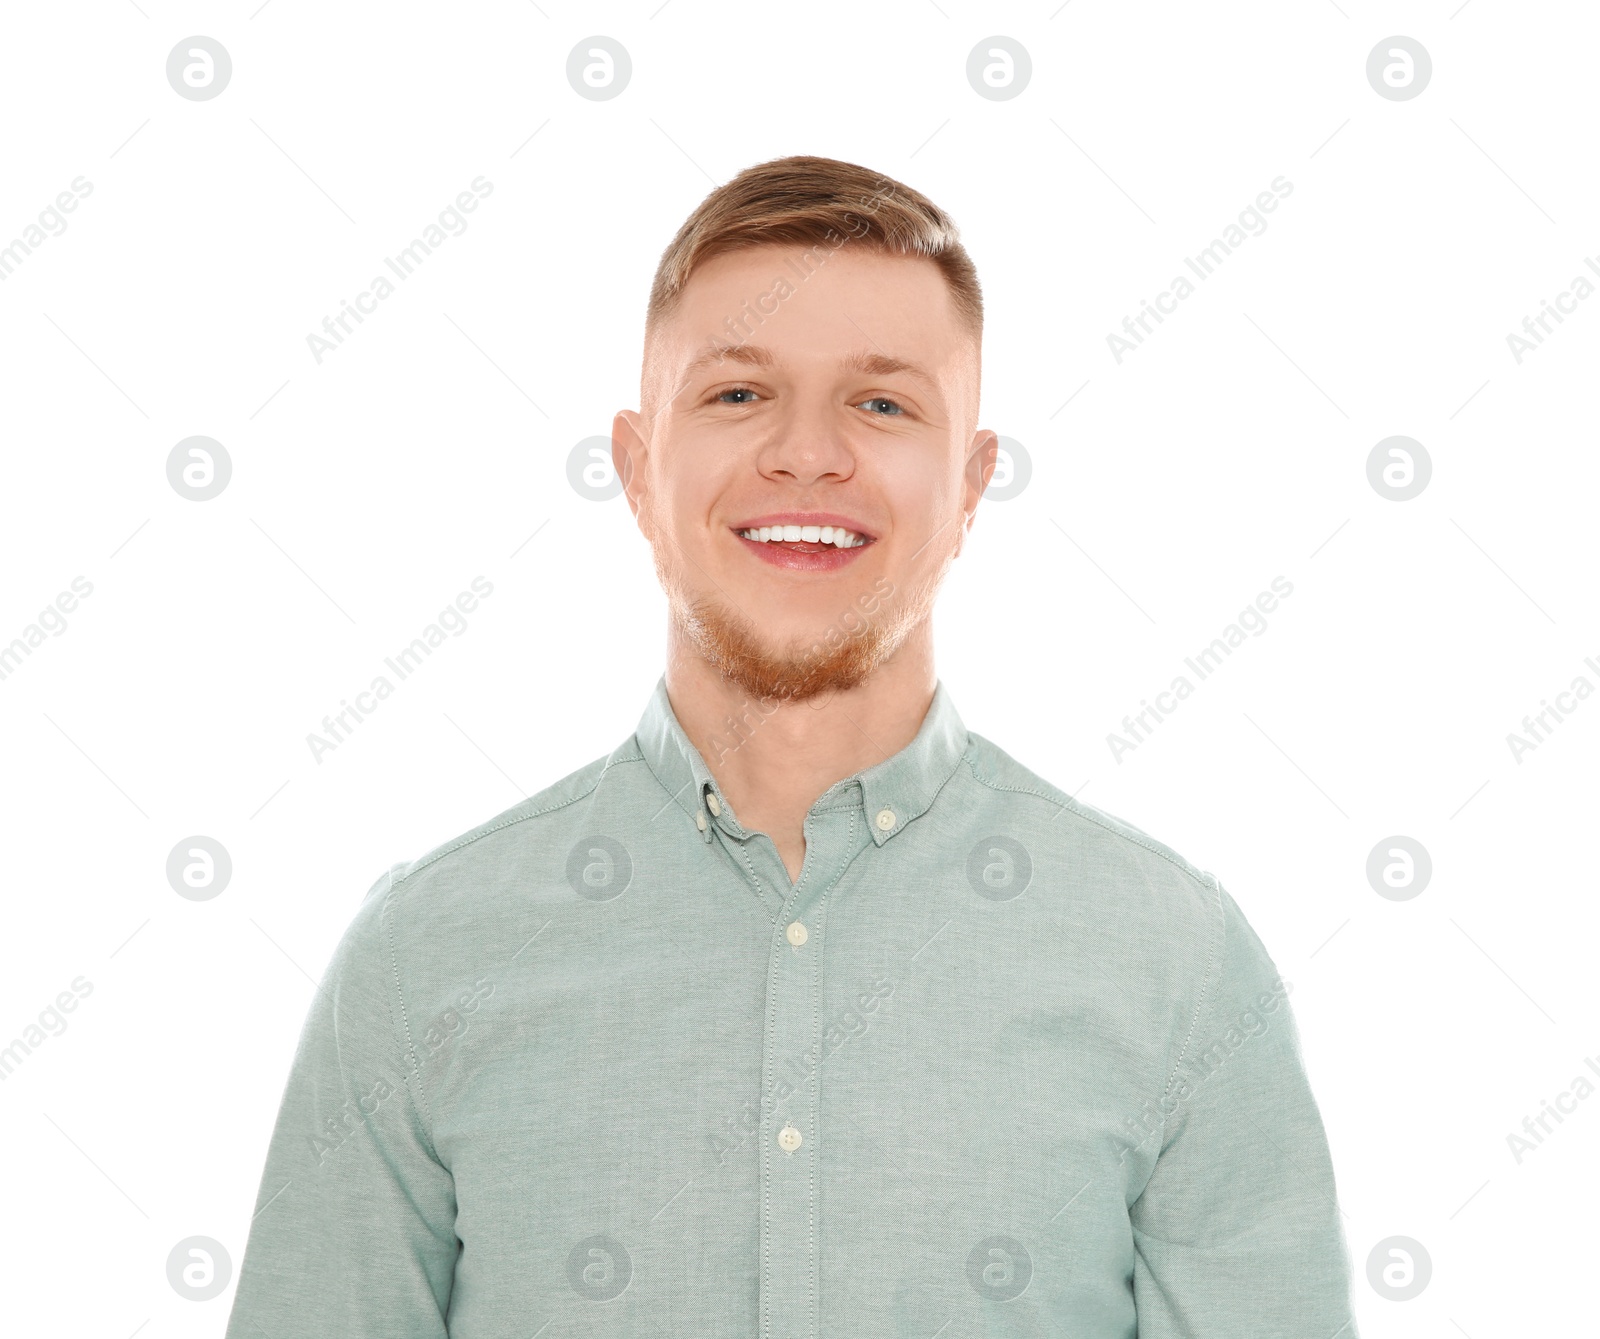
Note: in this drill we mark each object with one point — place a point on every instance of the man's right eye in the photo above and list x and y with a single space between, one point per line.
737 390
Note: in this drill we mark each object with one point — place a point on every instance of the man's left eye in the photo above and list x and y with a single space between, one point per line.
880 404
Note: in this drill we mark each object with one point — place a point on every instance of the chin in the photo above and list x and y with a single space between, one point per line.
769 666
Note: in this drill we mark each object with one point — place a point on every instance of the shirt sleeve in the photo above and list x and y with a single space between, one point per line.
1237 1232
353 1233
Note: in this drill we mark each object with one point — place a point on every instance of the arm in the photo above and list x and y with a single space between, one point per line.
353 1230
1237 1233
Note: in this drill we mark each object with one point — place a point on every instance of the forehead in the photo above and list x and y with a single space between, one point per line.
820 301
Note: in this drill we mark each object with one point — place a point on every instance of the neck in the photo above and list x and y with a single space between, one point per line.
773 760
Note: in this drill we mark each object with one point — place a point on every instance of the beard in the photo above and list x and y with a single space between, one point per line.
733 645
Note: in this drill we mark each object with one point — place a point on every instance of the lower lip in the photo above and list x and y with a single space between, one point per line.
804 557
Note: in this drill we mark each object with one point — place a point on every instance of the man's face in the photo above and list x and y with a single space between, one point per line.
842 403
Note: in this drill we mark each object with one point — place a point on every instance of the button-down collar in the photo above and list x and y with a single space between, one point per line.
893 793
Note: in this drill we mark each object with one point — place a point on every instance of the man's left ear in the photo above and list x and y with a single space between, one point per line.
628 450
978 471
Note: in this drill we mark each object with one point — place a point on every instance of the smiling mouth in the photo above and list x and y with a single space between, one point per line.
806 538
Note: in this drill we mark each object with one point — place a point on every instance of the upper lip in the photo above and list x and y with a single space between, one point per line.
818 518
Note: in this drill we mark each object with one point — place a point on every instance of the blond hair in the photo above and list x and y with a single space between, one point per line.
806 201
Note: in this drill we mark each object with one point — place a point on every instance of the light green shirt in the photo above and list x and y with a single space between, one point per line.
997 1064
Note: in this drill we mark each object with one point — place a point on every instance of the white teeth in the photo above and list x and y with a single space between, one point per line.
836 535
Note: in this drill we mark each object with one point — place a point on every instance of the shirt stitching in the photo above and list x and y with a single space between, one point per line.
766 1145
815 1095
477 836
879 837
852 854
1205 987
419 1097
1077 811
744 855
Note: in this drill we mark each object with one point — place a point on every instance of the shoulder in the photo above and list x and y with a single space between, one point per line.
495 868
1110 851
462 910
539 813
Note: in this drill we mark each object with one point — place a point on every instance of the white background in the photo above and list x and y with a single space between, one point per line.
368 490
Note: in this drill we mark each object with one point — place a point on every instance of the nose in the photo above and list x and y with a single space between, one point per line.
808 445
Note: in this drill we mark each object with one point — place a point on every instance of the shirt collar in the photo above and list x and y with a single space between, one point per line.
893 793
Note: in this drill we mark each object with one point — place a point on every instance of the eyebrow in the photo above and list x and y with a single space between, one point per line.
754 355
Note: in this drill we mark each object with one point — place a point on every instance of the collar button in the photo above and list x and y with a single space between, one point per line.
885 820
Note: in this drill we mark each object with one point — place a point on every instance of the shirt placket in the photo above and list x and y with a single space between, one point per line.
790 1140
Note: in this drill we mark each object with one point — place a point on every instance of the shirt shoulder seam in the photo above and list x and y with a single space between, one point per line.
1077 811
478 834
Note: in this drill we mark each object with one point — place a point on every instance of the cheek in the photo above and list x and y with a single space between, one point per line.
690 486
920 495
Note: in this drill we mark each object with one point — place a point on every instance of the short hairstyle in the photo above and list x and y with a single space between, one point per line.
806 201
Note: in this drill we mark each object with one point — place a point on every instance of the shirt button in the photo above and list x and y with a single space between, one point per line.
789 1139
700 820
796 933
885 819
712 803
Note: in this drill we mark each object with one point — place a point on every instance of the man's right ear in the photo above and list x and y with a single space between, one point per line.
628 451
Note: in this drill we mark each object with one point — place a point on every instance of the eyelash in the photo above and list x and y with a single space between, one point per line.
902 411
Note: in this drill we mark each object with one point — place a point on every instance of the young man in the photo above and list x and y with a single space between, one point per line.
804 1012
